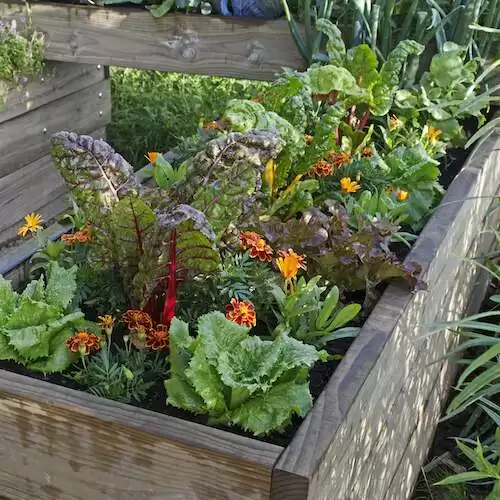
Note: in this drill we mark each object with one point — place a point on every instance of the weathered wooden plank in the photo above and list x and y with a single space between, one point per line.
57 80
37 187
98 449
349 415
26 138
241 48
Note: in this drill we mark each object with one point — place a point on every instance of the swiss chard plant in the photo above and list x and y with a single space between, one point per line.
237 378
154 238
35 324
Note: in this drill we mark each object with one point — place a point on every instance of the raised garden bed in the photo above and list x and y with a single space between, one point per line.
380 406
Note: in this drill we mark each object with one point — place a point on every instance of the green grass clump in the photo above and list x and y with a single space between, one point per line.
152 110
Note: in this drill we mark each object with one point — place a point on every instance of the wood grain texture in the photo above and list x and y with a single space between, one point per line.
26 138
209 45
65 444
383 370
57 80
37 187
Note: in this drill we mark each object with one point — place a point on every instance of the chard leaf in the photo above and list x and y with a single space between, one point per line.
326 79
95 173
245 116
8 299
61 285
385 89
335 45
362 63
274 409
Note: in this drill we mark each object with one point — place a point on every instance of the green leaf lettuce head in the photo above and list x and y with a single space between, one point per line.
237 378
35 324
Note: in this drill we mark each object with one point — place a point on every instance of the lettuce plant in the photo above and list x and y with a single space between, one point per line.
35 324
237 378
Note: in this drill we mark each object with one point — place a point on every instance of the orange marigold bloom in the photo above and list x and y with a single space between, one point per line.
82 236
262 251
106 323
321 168
433 134
248 239
339 158
84 343
213 125
32 224
157 338
241 312
367 152
309 139
137 320
289 263
349 186
401 195
152 156
256 99
394 123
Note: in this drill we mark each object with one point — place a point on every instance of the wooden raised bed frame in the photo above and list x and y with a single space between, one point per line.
369 430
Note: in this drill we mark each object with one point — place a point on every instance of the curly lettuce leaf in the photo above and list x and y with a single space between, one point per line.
61 285
8 299
273 409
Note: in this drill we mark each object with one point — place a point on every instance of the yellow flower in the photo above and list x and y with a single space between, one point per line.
106 323
309 139
433 134
32 223
152 157
289 263
349 186
401 195
394 123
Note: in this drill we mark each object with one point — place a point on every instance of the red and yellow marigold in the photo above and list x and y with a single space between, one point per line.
84 343
241 312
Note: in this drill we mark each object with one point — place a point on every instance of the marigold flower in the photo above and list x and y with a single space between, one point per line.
367 152
32 224
82 236
433 134
261 250
349 186
256 99
213 125
248 239
137 320
339 158
106 323
401 195
394 123
152 156
157 338
289 263
84 343
241 312
309 139
321 168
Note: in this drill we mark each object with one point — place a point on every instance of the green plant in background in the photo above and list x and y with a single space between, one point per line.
382 24
155 111
21 55
486 468
35 324
236 378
